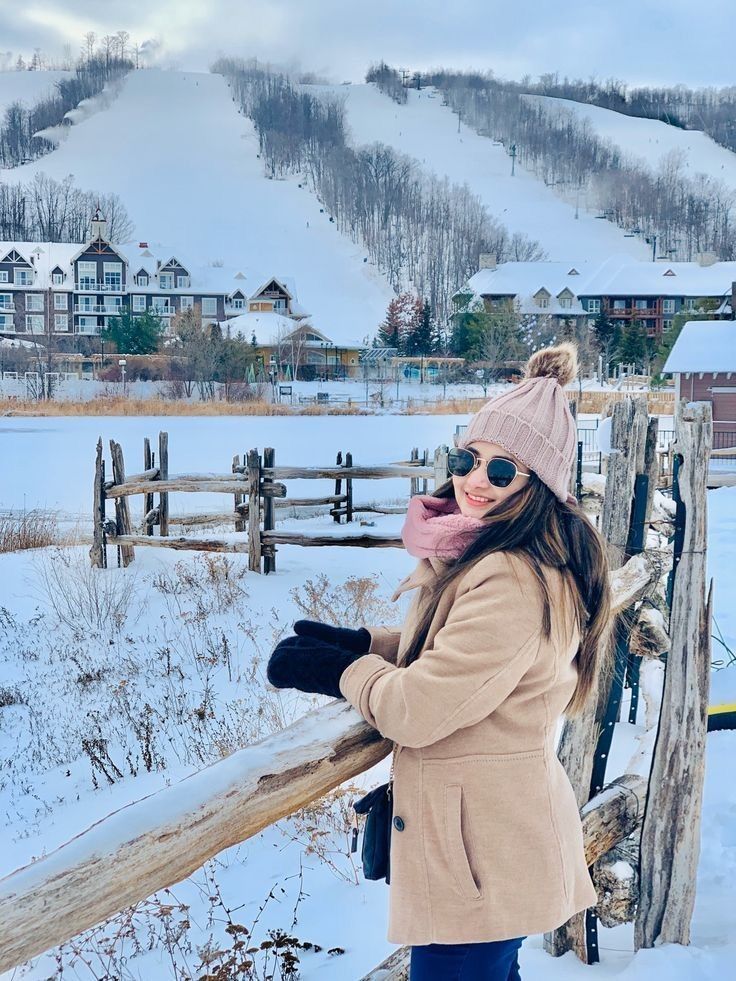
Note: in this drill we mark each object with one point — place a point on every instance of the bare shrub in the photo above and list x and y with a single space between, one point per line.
353 602
87 599
213 582
31 529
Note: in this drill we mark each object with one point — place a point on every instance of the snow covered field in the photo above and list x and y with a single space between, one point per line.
175 678
427 131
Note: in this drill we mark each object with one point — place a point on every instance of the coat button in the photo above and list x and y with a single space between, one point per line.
399 823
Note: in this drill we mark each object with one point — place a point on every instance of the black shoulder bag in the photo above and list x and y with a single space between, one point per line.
377 805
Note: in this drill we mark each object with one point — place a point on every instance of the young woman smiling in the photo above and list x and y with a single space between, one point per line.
506 633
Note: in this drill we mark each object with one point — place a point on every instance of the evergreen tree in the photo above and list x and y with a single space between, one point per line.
419 340
134 334
403 320
607 336
632 347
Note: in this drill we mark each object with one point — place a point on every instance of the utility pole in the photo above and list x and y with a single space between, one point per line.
459 117
513 158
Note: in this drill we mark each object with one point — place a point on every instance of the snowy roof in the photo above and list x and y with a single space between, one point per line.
704 345
267 327
616 276
208 278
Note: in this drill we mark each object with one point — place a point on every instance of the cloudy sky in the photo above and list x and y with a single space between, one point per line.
641 41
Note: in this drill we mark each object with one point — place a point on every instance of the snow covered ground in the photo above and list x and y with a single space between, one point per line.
428 132
185 650
185 163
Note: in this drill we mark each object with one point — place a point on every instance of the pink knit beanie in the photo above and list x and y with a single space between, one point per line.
533 421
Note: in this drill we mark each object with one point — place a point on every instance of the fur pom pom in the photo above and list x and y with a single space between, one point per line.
560 362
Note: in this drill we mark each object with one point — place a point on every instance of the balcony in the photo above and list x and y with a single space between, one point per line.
162 311
89 286
103 309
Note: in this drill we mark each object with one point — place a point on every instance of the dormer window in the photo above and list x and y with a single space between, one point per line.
541 298
57 277
183 282
166 281
565 302
141 279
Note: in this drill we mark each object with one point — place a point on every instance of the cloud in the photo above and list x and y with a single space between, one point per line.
656 41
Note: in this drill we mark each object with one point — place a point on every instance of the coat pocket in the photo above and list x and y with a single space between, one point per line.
457 853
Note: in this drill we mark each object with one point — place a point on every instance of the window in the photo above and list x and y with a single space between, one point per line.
238 303
60 302
141 279
6 301
57 278
34 324
667 324
668 306
619 304
23 277
6 321
61 321
113 273
183 282
161 304
139 304
690 305
85 303
34 301
166 281
594 306
543 302
88 325
209 306
566 303
3 275
279 305
186 302
640 304
86 275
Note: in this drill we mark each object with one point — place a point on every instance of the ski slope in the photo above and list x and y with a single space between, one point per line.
27 87
650 141
173 146
427 131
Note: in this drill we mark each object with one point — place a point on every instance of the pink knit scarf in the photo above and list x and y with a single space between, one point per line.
434 526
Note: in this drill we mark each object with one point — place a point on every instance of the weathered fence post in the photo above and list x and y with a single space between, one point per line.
163 498
413 483
348 490
147 498
239 498
425 459
440 466
122 508
579 739
97 552
671 829
253 469
338 487
269 551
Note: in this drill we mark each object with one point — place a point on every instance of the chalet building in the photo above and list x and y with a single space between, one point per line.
703 363
568 294
72 291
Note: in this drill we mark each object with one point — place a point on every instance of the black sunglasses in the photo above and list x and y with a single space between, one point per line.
500 470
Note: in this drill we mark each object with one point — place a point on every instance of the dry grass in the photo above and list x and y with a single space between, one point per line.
32 529
660 403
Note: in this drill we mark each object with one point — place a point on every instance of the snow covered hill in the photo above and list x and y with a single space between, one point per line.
428 131
185 163
27 87
650 140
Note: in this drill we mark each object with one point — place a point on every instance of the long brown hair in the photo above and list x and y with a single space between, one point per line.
543 531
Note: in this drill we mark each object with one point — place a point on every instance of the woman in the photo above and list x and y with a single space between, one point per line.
505 635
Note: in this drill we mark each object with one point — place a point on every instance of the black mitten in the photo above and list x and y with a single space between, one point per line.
309 665
358 641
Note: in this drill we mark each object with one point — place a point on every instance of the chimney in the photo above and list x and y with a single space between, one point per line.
487 260
706 258
143 245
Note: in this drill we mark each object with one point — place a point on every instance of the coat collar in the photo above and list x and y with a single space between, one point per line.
425 571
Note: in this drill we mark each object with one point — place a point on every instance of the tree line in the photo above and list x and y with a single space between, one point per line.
47 210
677 214
422 232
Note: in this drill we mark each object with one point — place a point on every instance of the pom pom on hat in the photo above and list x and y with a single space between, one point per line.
560 362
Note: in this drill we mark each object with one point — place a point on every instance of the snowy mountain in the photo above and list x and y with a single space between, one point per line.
27 87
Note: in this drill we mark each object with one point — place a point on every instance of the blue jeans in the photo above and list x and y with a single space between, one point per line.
493 961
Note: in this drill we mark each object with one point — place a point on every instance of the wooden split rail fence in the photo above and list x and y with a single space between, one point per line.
258 490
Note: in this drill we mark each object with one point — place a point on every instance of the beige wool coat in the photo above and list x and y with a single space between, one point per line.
487 842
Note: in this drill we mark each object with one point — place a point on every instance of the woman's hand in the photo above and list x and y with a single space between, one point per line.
310 664
357 641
